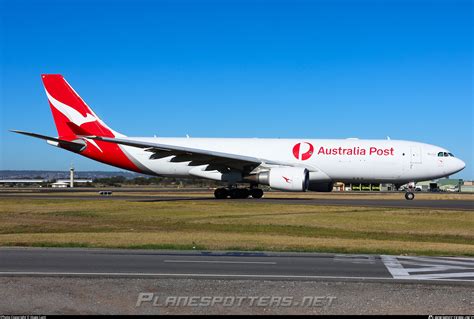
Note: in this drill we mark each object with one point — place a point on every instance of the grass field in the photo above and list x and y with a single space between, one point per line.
234 225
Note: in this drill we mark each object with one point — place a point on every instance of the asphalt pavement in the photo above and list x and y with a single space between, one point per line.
232 265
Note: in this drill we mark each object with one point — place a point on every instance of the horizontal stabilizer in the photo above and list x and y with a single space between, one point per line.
76 146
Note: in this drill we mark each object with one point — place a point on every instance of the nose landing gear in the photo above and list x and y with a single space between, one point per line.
409 195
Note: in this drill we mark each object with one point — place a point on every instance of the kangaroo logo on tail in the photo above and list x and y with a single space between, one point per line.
73 115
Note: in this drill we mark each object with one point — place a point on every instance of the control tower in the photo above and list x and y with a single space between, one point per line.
71 176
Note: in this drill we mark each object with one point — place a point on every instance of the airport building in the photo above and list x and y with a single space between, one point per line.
22 181
373 187
60 183
443 185
446 185
467 186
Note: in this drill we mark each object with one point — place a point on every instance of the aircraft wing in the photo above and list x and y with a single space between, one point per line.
193 155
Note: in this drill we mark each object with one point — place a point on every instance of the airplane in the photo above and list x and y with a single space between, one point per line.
295 165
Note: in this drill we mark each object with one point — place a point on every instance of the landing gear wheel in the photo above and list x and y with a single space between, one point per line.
239 193
409 195
221 193
256 193
234 193
244 193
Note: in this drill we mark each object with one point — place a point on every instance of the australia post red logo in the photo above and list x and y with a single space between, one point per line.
303 150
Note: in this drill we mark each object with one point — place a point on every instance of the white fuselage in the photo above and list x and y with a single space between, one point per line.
347 160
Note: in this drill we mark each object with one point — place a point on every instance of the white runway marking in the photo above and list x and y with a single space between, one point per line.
465 262
394 267
355 259
426 268
219 262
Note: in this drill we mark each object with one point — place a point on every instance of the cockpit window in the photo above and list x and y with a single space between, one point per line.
445 154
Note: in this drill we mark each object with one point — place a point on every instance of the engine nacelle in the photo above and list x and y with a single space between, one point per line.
293 179
320 186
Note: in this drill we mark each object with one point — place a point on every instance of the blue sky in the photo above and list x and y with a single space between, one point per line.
313 69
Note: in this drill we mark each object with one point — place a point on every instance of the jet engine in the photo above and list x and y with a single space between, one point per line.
293 179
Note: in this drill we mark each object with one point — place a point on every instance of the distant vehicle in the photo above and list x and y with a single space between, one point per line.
285 164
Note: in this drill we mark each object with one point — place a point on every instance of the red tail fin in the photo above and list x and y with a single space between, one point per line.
71 114
74 117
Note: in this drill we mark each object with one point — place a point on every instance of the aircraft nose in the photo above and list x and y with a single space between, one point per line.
458 165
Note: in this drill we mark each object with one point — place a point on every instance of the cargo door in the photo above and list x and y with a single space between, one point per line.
415 157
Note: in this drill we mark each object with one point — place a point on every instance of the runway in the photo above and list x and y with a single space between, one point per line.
341 201
255 266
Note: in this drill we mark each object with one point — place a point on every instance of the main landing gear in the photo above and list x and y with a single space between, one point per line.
234 193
